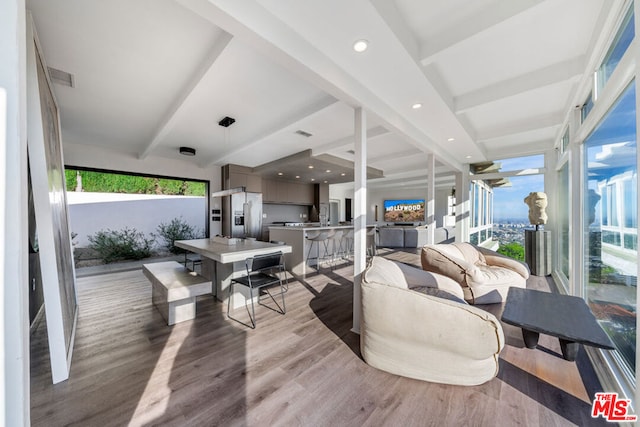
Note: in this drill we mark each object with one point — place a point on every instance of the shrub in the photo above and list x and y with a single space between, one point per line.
177 229
114 245
512 250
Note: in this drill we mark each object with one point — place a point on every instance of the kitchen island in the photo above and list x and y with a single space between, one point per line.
296 237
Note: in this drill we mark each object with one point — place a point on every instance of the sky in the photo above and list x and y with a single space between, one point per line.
508 202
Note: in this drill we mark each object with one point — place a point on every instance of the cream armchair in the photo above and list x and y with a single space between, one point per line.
484 275
416 324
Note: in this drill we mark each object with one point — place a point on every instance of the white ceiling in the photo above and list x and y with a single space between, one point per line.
152 75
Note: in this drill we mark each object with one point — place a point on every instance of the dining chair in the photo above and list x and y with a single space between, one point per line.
262 271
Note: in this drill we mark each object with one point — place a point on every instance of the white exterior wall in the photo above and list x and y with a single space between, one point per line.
92 212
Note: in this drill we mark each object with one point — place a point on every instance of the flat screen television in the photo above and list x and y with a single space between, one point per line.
406 210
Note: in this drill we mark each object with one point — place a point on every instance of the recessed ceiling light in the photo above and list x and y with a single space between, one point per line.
467 157
416 106
297 176
360 45
310 166
313 179
451 139
343 174
280 174
328 171
326 182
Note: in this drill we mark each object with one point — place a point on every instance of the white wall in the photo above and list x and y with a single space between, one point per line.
377 197
92 212
88 156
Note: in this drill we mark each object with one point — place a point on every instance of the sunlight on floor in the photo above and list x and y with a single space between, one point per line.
155 398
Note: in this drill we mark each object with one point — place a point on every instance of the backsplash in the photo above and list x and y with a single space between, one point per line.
286 213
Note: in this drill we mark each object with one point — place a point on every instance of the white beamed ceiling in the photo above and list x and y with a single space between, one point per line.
153 75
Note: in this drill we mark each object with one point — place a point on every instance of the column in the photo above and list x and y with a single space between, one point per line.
463 212
430 202
14 271
360 212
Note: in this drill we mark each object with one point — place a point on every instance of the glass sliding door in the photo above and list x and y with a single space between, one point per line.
563 223
610 224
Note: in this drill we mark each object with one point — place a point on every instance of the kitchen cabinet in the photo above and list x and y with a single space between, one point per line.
269 190
253 183
286 192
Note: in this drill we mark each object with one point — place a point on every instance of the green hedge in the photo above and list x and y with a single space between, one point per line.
101 182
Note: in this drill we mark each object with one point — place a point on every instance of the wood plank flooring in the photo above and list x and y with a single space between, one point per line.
303 368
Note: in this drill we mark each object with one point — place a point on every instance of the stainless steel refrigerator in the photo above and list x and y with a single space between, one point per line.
242 215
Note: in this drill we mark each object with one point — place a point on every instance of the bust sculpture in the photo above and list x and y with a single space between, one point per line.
537 202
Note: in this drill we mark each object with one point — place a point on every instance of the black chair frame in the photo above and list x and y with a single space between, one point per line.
262 271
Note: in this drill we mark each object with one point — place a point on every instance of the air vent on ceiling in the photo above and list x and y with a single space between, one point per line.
303 133
61 77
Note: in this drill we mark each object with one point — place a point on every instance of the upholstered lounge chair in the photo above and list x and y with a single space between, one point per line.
416 324
484 275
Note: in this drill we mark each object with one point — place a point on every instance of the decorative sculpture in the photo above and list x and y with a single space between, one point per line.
537 202
592 199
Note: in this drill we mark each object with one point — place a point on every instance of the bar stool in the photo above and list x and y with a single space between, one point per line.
371 242
336 244
321 236
348 238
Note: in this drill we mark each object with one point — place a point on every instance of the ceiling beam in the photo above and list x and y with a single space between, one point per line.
397 156
461 31
547 76
417 182
258 26
169 119
348 141
521 126
500 151
397 24
301 114
390 14
509 174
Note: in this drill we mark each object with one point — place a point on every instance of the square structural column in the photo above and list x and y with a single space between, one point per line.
537 251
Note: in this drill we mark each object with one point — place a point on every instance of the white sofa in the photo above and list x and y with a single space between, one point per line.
407 330
484 275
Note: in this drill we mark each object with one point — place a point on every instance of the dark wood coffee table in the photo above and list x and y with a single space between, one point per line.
563 316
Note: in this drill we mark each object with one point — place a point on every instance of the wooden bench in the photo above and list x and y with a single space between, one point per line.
174 290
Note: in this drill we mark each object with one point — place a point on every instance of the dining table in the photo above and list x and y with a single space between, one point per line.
222 261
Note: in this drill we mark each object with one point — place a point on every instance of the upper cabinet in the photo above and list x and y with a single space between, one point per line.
274 191
234 176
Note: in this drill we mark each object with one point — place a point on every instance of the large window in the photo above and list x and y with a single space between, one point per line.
619 46
610 226
563 216
482 215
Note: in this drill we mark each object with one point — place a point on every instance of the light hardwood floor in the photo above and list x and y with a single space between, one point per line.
303 368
